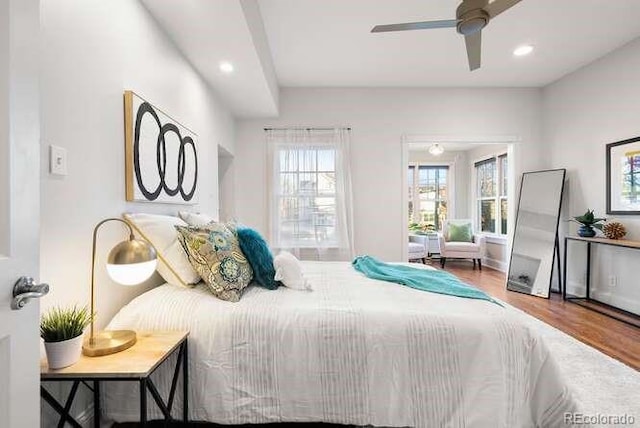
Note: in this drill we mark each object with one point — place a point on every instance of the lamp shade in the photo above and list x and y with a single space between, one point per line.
131 262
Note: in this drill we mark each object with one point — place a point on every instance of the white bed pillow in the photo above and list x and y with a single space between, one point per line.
196 219
289 272
173 264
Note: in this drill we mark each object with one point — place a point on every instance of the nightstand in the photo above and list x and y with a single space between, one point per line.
137 363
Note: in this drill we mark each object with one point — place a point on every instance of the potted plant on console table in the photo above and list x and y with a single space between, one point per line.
588 221
61 329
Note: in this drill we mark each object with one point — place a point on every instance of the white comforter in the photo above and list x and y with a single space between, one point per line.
353 351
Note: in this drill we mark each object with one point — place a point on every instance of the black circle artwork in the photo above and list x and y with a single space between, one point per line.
161 157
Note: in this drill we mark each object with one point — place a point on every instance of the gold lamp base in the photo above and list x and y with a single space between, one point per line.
108 342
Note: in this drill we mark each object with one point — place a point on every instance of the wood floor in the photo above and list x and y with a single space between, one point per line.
614 338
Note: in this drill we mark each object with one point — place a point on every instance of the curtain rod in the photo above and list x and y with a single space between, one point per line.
305 129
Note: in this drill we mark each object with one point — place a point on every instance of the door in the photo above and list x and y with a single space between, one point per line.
19 210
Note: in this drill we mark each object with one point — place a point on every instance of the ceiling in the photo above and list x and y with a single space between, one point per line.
327 43
210 31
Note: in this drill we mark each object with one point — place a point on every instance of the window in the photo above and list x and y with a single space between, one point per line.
306 196
428 194
491 194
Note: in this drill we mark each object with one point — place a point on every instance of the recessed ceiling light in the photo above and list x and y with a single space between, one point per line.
226 67
523 50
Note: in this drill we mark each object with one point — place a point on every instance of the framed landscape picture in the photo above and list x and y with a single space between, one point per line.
623 177
161 157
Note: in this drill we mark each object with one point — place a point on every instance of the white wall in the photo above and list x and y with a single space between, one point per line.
379 118
92 51
583 112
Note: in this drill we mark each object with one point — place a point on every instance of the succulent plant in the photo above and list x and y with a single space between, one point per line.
590 220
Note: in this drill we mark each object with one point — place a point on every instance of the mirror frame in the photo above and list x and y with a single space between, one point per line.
556 249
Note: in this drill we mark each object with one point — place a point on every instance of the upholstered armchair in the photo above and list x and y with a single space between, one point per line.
418 247
458 242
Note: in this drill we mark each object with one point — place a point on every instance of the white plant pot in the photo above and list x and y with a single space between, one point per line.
63 354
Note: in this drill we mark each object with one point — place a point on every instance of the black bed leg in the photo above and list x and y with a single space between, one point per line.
442 261
474 264
480 264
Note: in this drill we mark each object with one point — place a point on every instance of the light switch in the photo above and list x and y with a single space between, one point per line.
57 160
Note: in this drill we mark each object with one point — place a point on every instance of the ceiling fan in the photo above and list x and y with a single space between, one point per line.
471 17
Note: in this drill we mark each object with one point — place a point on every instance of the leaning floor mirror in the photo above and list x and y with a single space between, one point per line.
535 237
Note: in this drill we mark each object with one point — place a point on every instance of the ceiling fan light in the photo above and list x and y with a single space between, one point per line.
436 149
226 67
523 50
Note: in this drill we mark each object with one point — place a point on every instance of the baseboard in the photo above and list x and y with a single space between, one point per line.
494 264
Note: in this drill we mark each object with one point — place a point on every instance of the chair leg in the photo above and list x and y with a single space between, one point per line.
474 264
442 261
424 260
480 264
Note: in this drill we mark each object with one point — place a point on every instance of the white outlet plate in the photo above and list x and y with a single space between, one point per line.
57 160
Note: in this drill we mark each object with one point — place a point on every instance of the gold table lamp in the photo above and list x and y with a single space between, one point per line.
130 262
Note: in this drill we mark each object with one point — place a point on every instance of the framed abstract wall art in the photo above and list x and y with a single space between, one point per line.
161 156
623 177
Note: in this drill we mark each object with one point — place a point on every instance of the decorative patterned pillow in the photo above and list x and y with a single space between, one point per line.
215 254
256 250
460 232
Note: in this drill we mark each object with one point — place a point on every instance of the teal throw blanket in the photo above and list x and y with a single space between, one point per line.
435 281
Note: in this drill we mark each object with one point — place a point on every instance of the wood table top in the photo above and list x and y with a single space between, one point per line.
149 351
615 242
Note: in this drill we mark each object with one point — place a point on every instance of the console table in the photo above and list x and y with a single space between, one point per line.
587 301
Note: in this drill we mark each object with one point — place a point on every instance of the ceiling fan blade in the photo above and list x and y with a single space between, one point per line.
496 7
424 25
474 50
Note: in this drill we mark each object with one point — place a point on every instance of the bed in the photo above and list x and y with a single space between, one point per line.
352 351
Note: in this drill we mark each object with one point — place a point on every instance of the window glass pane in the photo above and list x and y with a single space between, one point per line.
503 172
487 176
326 182
307 183
503 216
410 177
326 160
487 215
288 209
288 160
441 214
288 184
307 160
423 176
427 211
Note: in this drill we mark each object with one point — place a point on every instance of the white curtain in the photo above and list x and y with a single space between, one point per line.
310 199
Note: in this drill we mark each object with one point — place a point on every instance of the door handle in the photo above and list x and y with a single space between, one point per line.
26 289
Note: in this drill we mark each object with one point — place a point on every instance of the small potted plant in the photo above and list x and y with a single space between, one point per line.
61 329
588 221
